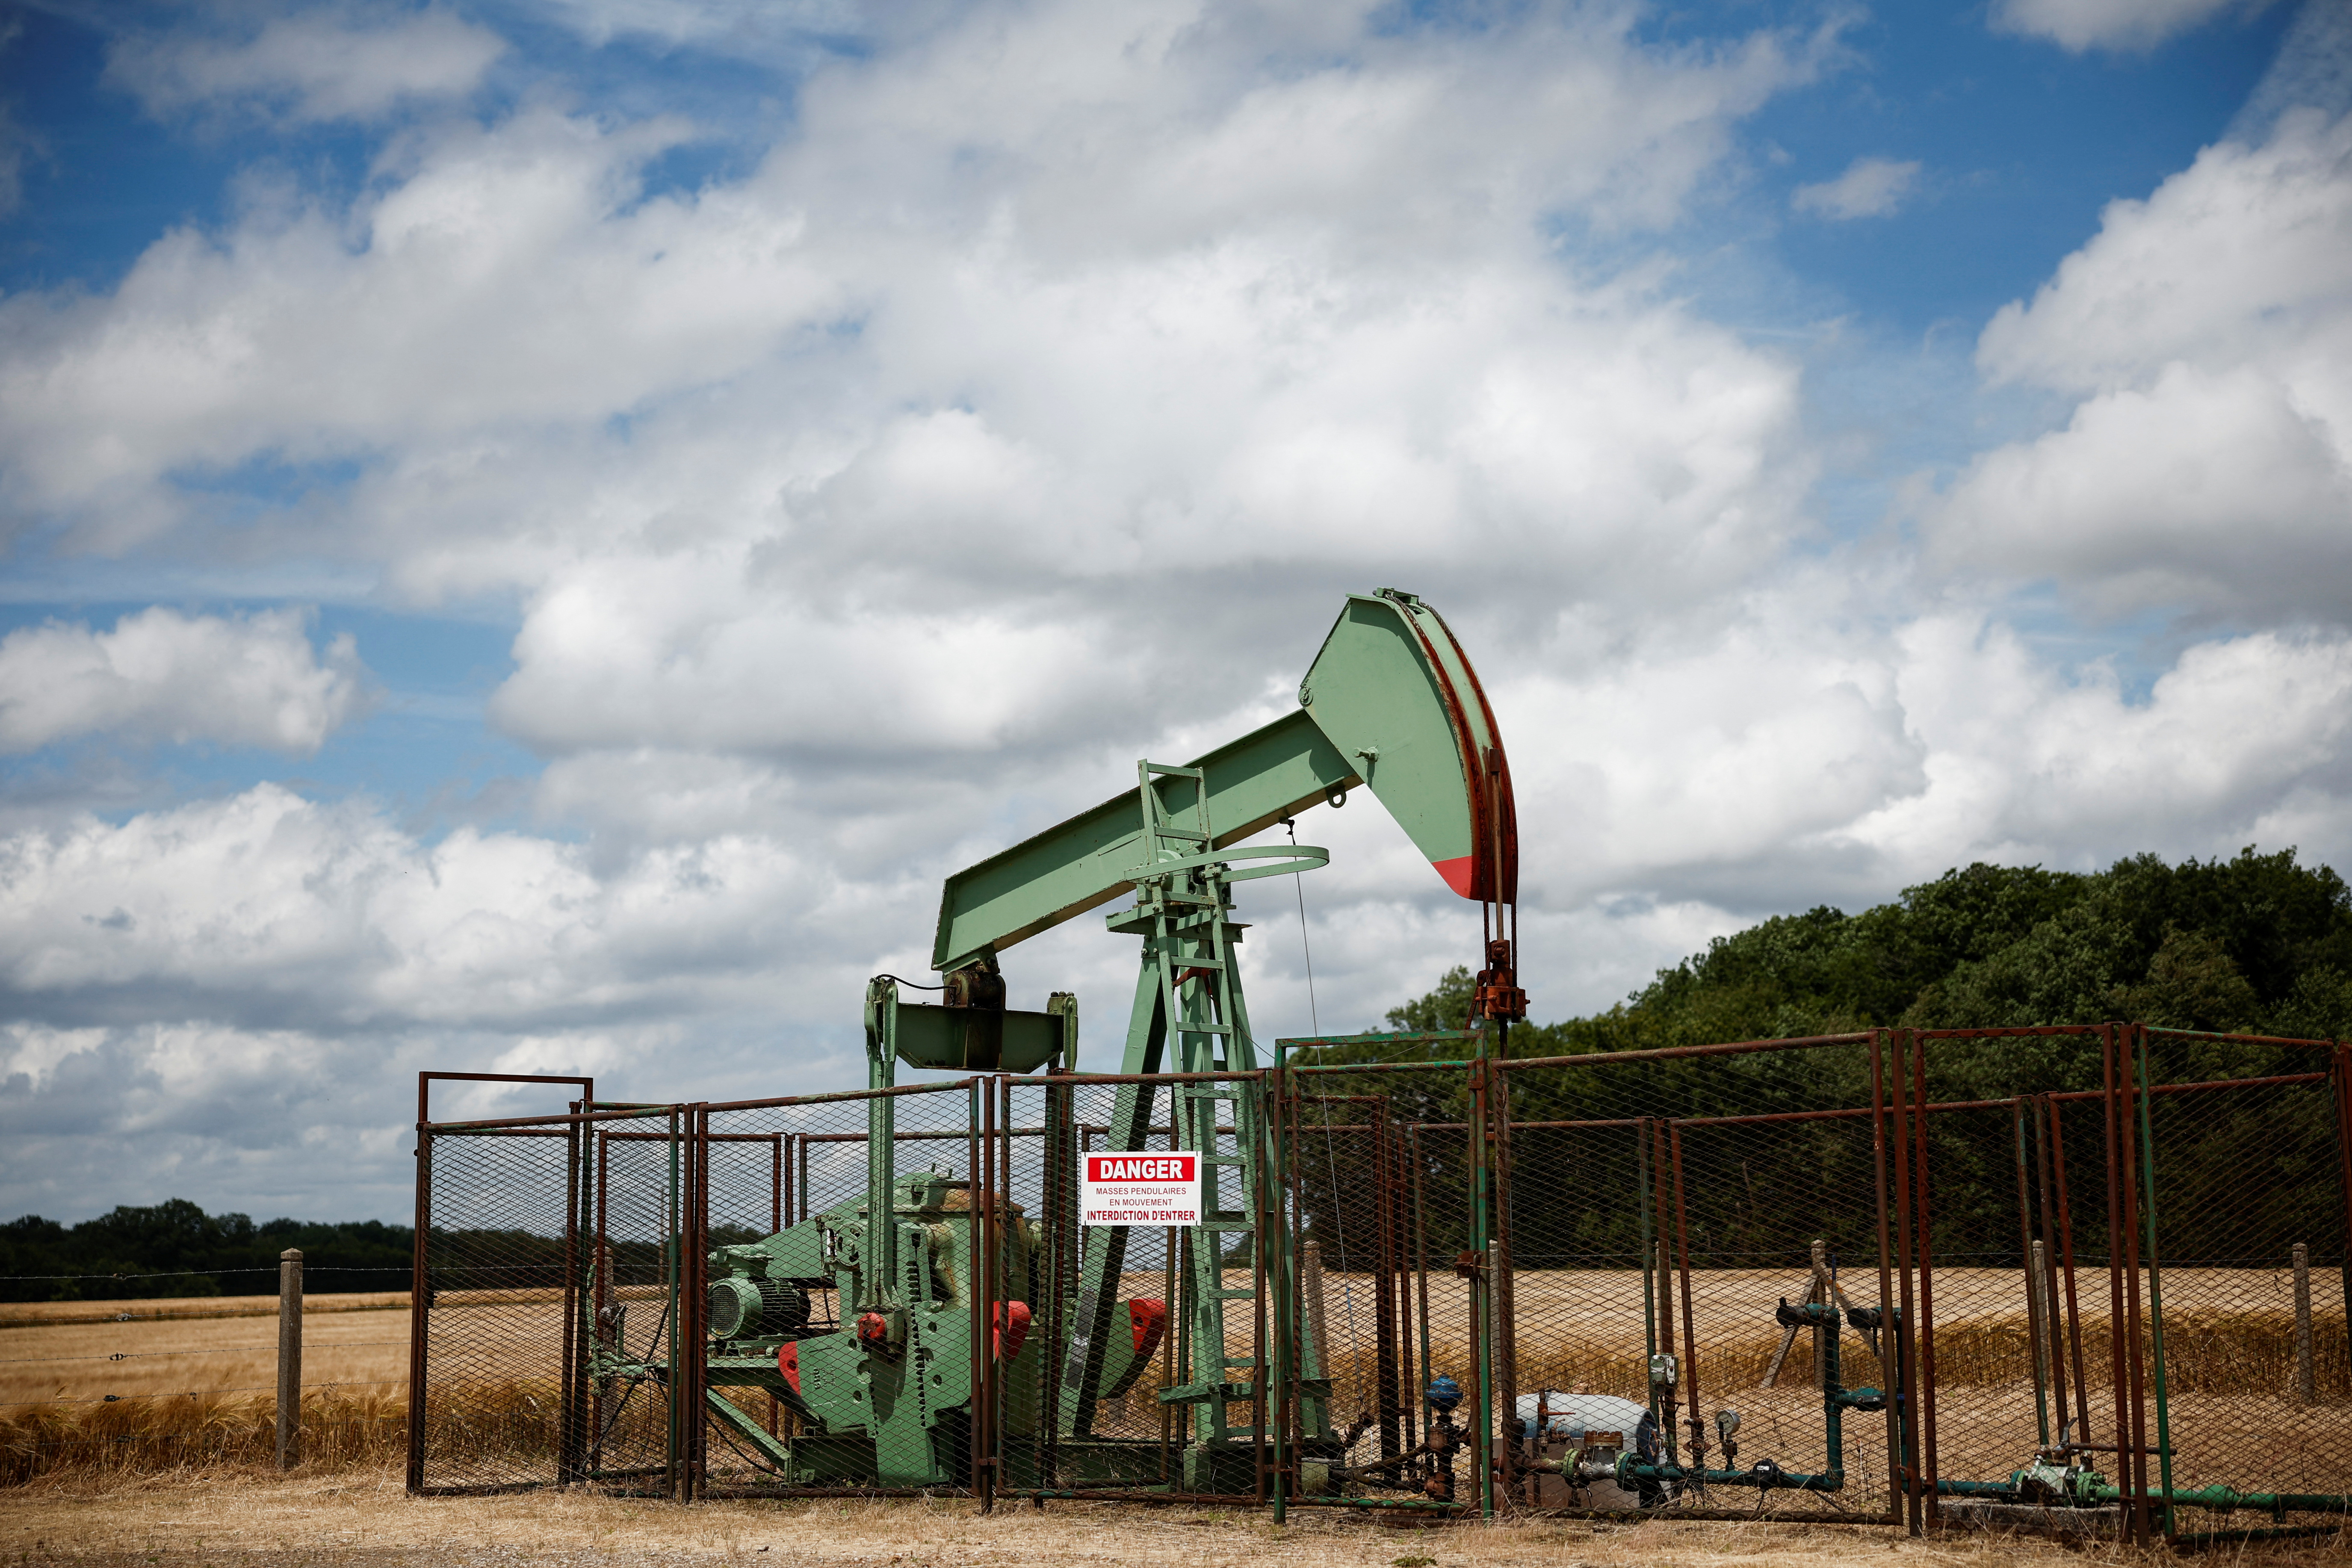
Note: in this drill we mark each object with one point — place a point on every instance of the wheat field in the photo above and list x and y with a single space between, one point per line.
194 1389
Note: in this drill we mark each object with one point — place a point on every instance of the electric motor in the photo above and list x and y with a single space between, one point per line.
742 1306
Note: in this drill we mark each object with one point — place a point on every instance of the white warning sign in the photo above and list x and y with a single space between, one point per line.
1140 1189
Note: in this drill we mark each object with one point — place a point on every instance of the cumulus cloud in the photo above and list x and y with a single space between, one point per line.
331 62
2120 25
160 675
1806 750
2207 332
168 972
500 284
937 218
264 909
262 1122
1870 188
2025 762
1025 410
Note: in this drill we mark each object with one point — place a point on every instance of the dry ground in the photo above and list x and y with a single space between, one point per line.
364 1518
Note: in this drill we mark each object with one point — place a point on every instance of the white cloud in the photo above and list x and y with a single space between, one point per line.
1870 188
331 62
2241 254
264 909
2024 764
247 680
500 285
1026 411
261 1121
2208 332
2122 25
1093 181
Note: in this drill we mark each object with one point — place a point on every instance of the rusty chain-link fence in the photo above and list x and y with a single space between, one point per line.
2091 1276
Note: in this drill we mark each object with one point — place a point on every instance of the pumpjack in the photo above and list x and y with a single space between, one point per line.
883 1394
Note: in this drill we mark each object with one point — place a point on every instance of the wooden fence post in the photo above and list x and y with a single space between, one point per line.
289 1358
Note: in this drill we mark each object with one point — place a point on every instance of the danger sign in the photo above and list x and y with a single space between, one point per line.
1139 1189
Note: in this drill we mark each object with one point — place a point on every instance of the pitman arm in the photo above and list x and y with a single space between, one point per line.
1391 703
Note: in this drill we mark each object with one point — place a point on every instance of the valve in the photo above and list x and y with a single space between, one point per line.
1867 1322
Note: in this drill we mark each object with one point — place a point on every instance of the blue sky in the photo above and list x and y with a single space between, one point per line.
537 532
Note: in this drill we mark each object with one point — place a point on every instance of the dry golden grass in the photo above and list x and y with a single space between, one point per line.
190 1383
147 1435
2230 1344
232 1514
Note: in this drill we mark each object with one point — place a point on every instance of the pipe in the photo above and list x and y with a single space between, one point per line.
1767 1480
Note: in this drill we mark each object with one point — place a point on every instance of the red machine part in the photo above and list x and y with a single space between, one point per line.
873 1330
788 1364
1012 1328
1146 1322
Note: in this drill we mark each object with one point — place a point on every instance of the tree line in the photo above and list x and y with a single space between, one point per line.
2254 944
176 1249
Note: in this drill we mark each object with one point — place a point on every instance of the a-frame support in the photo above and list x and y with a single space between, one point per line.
1188 1016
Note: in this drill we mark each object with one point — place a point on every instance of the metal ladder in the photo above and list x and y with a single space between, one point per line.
1189 998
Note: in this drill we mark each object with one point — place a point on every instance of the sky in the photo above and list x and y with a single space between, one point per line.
537 531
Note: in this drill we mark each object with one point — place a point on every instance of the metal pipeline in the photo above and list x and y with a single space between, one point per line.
2226 1499
2098 1494
1766 1477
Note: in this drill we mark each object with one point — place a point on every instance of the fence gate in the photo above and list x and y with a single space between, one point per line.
495 1399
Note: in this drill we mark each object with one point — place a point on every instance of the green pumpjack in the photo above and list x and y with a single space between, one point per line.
883 1398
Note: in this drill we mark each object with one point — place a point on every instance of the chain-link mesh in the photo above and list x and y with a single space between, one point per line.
500 1260
637 1199
1686 1237
1147 1336
1381 1159
792 1293
1690 1280
2250 1265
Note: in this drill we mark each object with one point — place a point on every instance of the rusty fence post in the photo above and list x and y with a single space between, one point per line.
419 1295
289 1358
2305 1390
